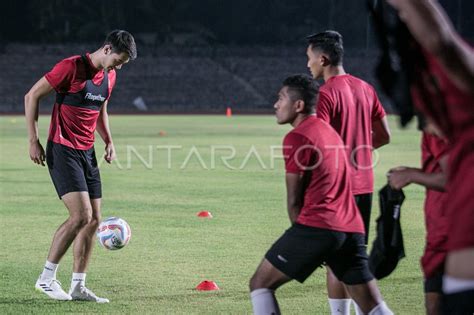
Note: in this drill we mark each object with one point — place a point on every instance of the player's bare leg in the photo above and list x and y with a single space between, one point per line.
262 288
458 263
84 241
339 299
433 303
336 289
368 298
82 251
80 211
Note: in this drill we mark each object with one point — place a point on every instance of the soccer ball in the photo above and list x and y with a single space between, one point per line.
114 233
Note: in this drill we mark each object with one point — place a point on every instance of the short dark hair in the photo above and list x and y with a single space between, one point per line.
330 43
122 41
302 86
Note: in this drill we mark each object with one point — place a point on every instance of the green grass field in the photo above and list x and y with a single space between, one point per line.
172 250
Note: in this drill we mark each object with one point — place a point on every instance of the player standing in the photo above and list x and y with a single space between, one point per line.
326 225
83 85
433 176
351 106
444 92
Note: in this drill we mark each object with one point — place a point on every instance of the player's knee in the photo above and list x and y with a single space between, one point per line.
84 220
94 223
255 283
86 216
258 282
95 219
252 283
77 223
81 220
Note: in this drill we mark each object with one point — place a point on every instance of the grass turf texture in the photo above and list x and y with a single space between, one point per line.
172 250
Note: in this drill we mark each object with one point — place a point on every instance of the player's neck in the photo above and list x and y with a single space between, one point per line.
299 119
333 71
96 59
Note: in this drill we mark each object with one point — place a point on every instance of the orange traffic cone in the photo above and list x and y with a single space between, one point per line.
228 112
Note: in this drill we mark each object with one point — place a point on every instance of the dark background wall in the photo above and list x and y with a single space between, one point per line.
193 55
242 22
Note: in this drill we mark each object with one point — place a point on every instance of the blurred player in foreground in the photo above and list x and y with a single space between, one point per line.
443 91
433 176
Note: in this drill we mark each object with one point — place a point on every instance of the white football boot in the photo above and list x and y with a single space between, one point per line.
81 293
52 288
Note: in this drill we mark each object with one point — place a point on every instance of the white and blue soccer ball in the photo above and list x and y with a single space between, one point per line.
114 233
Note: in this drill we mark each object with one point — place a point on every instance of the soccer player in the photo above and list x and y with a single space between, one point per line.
351 106
326 226
83 85
433 176
444 93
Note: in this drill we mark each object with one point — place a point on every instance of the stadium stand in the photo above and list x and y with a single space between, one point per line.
173 79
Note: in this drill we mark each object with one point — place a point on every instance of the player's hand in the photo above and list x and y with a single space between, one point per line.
37 153
109 153
399 177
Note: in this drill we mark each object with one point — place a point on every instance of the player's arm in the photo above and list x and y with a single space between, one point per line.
32 99
104 131
324 107
295 195
380 132
433 30
402 176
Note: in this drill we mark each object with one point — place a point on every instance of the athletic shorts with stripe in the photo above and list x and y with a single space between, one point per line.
302 249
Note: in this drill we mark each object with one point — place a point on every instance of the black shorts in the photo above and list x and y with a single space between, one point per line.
460 303
302 249
434 284
364 203
73 170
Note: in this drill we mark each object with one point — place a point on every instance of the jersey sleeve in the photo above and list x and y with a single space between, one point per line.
112 78
299 154
62 75
438 147
323 107
377 109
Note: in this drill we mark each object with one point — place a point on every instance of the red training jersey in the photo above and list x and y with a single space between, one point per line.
74 125
350 105
314 149
453 111
436 221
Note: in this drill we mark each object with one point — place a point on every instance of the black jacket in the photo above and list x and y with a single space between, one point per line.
388 247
